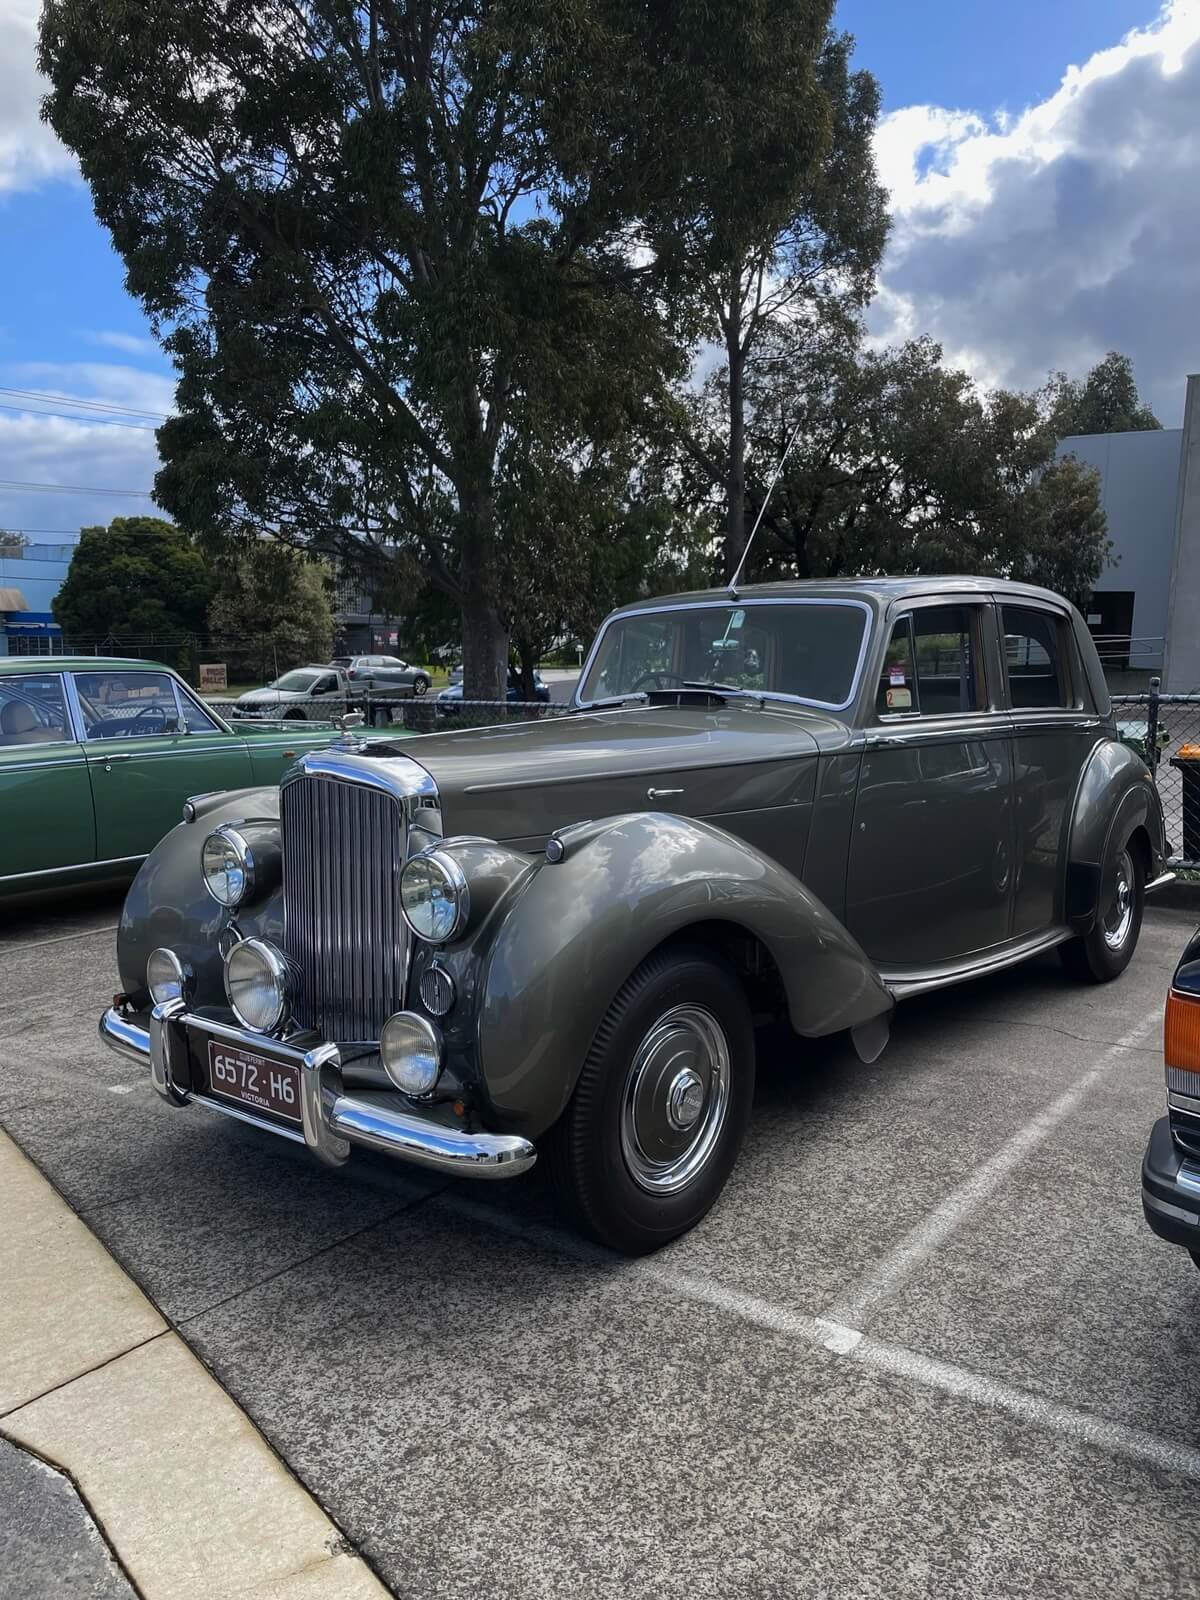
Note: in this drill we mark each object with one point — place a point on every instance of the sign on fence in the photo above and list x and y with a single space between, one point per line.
213 675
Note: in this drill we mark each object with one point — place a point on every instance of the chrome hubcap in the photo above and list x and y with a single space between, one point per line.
1118 919
675 1099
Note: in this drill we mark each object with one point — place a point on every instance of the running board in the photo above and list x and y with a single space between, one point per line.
904 985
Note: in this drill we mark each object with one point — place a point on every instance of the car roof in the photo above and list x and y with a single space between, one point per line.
881 590
11 666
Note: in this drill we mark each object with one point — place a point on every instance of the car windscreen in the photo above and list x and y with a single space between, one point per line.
807 649
295 681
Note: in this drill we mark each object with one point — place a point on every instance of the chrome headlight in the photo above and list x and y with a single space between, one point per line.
410 1048
434 897
166 977
258 985
227 866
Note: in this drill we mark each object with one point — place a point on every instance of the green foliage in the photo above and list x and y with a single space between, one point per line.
1107 401
382 241
271 611
901 465
140 581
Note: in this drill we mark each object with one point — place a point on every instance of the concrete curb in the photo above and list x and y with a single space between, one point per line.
190 1498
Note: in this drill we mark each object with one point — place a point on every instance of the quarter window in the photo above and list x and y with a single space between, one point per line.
1035 659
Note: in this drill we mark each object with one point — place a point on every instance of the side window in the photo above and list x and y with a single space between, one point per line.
897 681
126 705
949 679
326 685
1035 658
32 711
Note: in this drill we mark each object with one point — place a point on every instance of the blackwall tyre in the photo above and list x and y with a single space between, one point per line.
661 1107
1105 952
421 686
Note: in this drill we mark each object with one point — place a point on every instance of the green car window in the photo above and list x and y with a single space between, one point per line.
127 705
32 711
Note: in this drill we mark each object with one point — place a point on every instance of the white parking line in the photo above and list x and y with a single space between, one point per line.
850 1344
59 938
895 1268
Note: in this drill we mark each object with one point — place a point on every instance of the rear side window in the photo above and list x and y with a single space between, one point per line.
931 667
32 711
1035 658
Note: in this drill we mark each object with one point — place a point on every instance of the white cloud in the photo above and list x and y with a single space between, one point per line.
29 152
129 344
1044 240
88 453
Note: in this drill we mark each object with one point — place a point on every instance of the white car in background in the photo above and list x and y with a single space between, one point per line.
304 693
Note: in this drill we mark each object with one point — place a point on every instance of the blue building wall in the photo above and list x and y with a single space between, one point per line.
38 572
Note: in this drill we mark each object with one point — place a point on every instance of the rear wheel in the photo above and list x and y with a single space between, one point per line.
420 685
661 1106
1105 952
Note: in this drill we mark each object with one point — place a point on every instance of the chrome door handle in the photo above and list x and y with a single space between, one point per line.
661 794
109 761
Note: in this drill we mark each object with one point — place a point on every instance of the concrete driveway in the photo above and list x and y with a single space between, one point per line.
924 1346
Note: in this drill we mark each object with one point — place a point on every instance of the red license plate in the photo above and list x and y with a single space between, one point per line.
261 1082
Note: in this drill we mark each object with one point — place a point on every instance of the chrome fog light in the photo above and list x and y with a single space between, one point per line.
411 1051
257 985
434 897
227 867
166 977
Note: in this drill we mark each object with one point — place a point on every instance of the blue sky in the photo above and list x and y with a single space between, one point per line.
1019 238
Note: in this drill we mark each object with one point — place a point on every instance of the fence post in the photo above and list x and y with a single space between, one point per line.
1152 724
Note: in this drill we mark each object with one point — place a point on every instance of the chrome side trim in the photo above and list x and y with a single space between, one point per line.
728 604
1157 883
78 866
1188 1176
905 985
332 1119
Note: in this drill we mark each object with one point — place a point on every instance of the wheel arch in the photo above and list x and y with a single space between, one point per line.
1115 800
624 889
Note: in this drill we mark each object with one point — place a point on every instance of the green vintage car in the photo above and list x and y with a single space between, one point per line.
97 757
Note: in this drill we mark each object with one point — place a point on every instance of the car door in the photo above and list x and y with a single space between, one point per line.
929 877
328 688
1053 734
45 797
148 746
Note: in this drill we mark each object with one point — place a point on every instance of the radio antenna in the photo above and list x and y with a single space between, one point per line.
733 582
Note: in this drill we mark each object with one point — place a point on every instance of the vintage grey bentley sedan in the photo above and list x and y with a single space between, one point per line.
802 800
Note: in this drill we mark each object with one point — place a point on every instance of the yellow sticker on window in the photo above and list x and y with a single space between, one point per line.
899 699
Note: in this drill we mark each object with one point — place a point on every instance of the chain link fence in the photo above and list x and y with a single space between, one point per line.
1164 729
429 713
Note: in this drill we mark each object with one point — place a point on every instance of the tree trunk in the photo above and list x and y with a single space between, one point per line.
735 489
485 647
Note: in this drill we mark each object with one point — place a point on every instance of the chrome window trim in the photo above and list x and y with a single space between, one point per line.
182 693
776 695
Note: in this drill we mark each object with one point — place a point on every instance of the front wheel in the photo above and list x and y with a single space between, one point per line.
661 1107
1105 952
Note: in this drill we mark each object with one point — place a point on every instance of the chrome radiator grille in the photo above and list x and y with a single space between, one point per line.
343 848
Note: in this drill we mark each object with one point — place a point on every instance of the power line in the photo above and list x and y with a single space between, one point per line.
84 405
73 488
91 421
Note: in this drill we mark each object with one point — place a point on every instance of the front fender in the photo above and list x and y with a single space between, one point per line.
167 903
1116 794
579 927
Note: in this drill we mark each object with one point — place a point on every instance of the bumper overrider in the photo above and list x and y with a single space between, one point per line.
331 1121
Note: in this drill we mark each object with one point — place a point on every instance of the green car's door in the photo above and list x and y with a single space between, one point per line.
46 819
149 745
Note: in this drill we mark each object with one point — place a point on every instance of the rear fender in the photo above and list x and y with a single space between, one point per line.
579 928
1116 795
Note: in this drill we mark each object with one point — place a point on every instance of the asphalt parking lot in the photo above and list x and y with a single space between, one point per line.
924 1346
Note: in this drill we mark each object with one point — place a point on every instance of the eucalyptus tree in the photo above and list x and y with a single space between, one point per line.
380 237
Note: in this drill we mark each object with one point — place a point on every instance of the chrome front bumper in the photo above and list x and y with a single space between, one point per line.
332 1119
